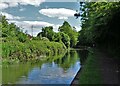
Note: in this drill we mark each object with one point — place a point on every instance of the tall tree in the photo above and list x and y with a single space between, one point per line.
100 24
67 29
47 32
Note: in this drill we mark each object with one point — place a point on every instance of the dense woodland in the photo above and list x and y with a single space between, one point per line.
100 23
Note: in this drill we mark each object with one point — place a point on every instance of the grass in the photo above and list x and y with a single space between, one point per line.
90 73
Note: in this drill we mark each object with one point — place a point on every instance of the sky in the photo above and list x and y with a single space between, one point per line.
40 13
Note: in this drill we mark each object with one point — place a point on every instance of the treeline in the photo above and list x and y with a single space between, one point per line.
18 46
67 34
100 25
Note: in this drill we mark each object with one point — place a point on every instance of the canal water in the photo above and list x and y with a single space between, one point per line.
54 70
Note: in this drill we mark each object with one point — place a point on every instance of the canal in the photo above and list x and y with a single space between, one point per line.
56 69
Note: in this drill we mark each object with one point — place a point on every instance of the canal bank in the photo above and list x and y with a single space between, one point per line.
99 68
76 79
89 73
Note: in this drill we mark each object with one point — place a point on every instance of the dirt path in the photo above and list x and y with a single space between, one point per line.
109 69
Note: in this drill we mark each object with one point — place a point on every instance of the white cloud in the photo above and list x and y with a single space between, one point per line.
13 3
3 5
37 26
55 27
38 23
28 24
32 2
9 16
63 18
78 28
60 13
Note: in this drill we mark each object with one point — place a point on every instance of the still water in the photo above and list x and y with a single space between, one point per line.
54 70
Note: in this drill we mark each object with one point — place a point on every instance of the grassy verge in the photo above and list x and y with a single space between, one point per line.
90 73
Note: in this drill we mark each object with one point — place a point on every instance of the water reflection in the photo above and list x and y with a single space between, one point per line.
54 70
83 54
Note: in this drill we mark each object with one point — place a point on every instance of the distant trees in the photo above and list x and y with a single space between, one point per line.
53 36
47 32
67 29
66 34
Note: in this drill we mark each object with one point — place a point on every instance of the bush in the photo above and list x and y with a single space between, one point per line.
30 49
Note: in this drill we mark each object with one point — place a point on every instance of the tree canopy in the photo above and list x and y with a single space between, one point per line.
100 24
67 29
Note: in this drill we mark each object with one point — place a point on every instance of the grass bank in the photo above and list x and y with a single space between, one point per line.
90 73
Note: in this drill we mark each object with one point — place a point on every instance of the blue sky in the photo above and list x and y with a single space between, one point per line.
40 13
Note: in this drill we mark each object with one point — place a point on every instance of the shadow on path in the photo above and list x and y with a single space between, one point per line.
109 68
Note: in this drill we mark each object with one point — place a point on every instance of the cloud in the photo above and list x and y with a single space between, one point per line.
78 28
11 17
28 24
55 27
37 26
60 13
38 23
32 2
65 18
3 6
13 3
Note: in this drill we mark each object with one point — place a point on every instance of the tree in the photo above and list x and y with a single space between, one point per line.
96 18
12 31
65 39
47 32
100 24
53 36
73 35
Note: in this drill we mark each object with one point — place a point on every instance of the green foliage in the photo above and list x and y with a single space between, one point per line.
100 24
65 39
67 29
22 37
4 35
11 30
57 37
4 21
47 32
69 35
29 50
18 46
90 73
96 19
